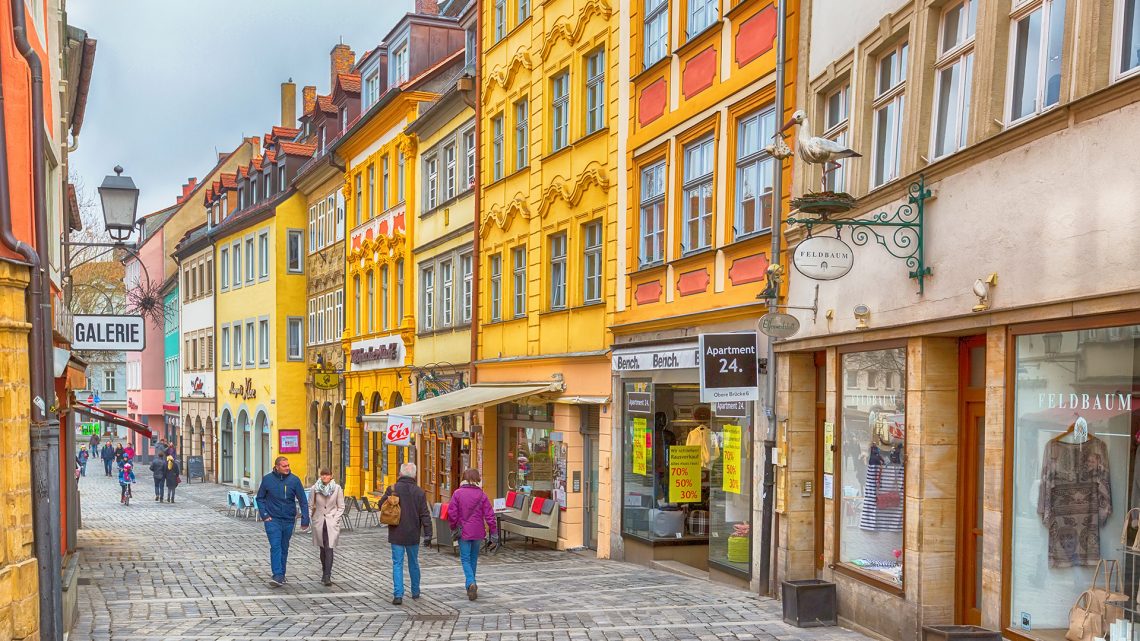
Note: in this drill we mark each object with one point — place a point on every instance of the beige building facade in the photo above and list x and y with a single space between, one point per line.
931 420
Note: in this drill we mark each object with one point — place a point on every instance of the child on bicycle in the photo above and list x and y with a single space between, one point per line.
126 477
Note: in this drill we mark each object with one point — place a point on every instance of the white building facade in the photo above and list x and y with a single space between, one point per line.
195 255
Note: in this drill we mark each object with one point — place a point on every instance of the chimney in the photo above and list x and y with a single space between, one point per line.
427 7
308 99
187 189
341 59
289 104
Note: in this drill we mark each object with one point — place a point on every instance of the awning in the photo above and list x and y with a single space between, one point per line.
111 417
582 400
468 398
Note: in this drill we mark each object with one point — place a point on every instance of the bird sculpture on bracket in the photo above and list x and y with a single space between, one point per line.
815 150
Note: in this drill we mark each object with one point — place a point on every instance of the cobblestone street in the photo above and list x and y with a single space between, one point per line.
191 571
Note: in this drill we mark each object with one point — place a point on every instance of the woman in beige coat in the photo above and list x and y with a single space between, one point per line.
325 510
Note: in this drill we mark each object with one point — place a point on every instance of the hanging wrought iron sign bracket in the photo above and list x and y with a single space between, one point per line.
900 233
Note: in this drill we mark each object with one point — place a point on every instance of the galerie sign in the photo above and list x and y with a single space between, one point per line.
729 367
108 332
377 353
823 258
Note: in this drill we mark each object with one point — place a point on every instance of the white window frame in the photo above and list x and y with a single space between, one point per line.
523 11
336 201
224 259
263 255
225 346
357 205
500 20
756 159
522 134
235 251
371 300
595 91
497 147
446 292
399 177
313 228
892 97
557 243
699 156
560 111
384 278
250 267
250 344
427 297
651 244
592 262
837 128
1118 38
294 325
518 281
384 182
451 169
431 188
264 339
495 268
959 59
400 64
109 380
469 151
1023 11
339 315
701 15
295 236
655 45
357 302
371 191
466 265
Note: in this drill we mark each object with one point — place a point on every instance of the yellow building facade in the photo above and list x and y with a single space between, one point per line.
260 320
694 250
547 246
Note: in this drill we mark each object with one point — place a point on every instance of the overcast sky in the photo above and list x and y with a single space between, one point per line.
175 80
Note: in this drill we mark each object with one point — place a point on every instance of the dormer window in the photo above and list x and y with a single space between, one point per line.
322 139
343 120
252 189
281 182
225 208
399 65
241 197
268 183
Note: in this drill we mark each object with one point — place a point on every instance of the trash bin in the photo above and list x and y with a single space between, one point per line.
809 603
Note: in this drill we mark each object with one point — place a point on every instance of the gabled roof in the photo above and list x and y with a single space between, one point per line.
270 156
325 104
229 181
347 82
242 171
296 148
255 163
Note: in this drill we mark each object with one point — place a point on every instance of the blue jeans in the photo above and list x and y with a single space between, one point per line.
279 533
469 557
398 552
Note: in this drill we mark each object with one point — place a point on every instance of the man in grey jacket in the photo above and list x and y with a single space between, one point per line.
405 537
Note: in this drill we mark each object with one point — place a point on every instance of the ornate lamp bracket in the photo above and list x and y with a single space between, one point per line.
900 232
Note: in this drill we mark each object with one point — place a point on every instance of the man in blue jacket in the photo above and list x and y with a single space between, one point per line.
277 502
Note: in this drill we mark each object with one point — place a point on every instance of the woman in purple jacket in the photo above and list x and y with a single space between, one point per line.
470 511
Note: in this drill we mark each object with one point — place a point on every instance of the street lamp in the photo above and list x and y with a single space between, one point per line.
120 200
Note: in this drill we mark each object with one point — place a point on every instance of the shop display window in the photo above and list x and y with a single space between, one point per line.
1075 471
872 462
531 456
687 471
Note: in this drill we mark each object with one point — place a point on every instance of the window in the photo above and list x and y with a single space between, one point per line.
469 47
263 254
249 257
427 280
518 264
371 302
702 13
338 315
450 168
521 134
754 170
954 71
282 183
359 198
558 271
888 107
592 263
322 147
241 196
268 181
108 380
321 221
384 297
371 191
263 329
656 31
652 245
400 65
312 321
468 285
252 189
343 120
399 292
1129 21
432 182
250 345
447 290
524 11
400 177
294 338
295 240
835 121
560 105
1037 38
469 149
237 264
595 91
497 146
337 201
496 287
384 182
225 347
371 88
356 304
698 195
874 477
313 229
500 19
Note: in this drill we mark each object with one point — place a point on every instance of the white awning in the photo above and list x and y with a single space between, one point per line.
468 398
583 400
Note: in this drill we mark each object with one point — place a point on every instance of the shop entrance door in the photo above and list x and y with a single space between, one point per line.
590 489
971 463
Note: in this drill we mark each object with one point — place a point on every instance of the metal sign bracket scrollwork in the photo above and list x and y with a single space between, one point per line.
900 232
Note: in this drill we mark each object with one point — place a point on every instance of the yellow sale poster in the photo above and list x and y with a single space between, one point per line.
685 474
640 446
731 457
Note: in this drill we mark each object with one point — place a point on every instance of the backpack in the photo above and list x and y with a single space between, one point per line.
390 508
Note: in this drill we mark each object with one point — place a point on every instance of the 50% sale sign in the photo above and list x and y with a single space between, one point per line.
684 474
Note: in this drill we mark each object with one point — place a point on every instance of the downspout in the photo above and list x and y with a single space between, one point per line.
475 262
45 428
766 539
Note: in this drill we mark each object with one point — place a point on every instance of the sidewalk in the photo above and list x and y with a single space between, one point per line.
190 571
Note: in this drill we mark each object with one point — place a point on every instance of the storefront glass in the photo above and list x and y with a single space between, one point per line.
687 472
1075 470
872 463
530 457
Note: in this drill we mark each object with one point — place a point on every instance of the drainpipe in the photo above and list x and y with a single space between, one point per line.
766 538
45 428
475 262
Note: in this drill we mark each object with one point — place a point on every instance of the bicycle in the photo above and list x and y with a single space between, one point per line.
126 495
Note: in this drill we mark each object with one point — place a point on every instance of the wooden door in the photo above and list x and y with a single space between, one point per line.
971 466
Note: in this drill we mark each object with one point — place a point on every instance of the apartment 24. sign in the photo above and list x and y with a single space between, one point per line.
729 367
245 391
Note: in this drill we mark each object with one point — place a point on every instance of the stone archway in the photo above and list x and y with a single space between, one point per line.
244 450
210 451
229 446
264 447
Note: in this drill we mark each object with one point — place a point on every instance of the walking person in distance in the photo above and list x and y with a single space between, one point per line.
470 512
277 501
108 456
404 534
173 477
326 510
82 459
158 469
